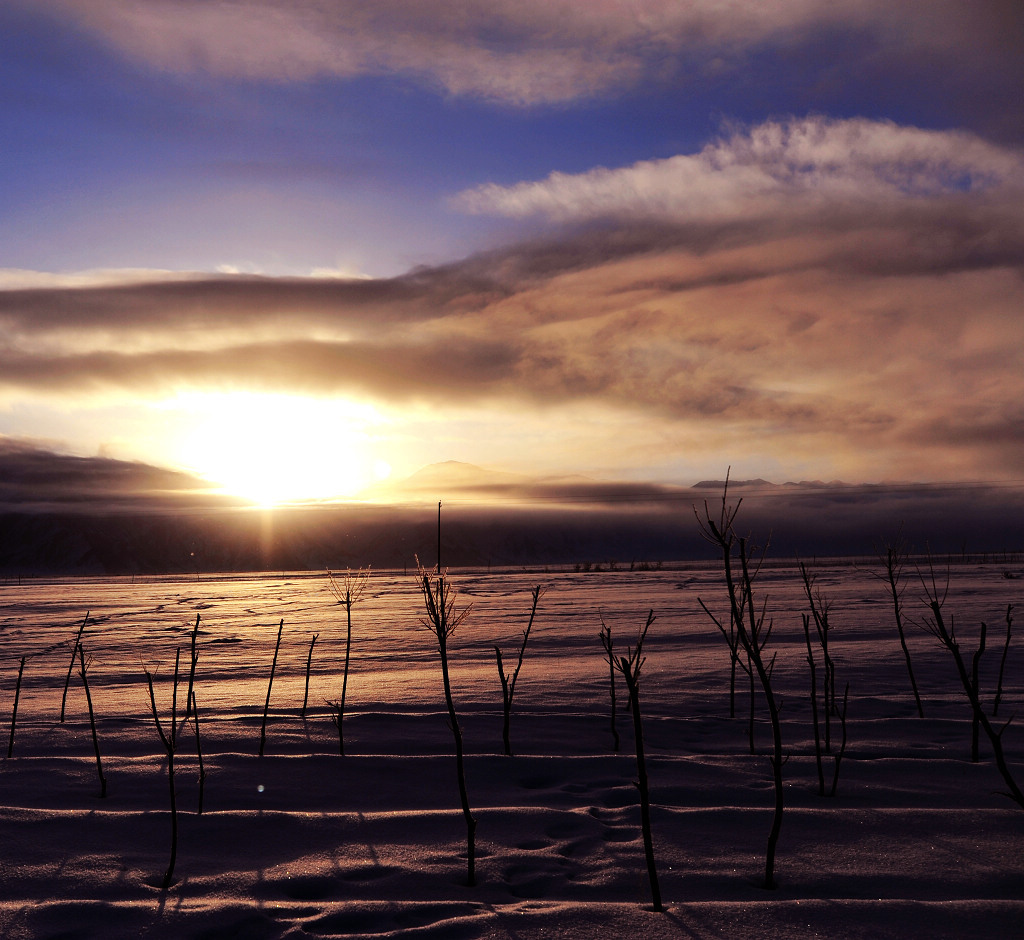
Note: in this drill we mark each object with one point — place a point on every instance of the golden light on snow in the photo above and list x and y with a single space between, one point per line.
280 448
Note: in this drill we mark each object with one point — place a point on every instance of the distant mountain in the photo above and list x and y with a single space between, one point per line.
69 515
38 480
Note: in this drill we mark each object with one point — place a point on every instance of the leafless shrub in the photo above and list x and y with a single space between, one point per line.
347 589
629 667
894 558
442 620
820 607
169 740
753 629
508 681
935 623
815 718
738 600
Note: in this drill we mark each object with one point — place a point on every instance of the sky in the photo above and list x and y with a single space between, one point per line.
304 248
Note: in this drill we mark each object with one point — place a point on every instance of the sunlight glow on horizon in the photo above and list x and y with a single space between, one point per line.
280 448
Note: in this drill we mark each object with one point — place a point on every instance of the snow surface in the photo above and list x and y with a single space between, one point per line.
305 843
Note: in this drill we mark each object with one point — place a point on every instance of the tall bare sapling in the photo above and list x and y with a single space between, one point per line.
820 607
629 666
752 627
737 613
442 620
893 559
347 590
815 717
169 740
935 623
508 680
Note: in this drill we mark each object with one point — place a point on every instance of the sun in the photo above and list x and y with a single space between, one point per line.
273 449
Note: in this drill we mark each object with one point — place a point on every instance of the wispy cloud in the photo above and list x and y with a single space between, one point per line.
776 171
529 51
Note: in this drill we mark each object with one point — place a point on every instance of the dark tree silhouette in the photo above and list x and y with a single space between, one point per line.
442 620
753 630
935 623
629 666
346 590
894 558
169 739
509 680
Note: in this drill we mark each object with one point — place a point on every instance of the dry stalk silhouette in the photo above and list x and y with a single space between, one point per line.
309 666
14 711
192 713
820 607
169 739
1002 661
347 590
442 620
609 646
935 624
270 685
509 680
71 665
753 629
92 720
629 667
894 558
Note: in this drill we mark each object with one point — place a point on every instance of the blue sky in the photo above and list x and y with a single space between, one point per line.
638 241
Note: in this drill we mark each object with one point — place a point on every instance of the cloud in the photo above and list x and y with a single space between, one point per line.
796 168
444 370
207 306
847 305
527 52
